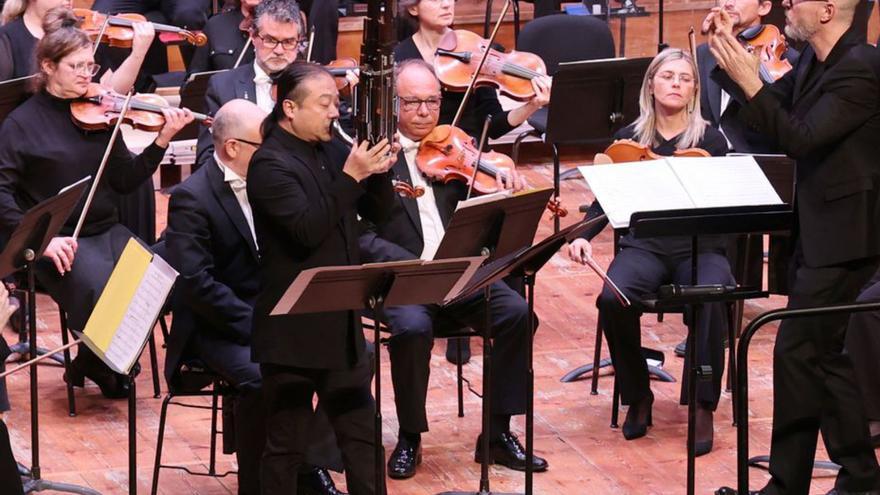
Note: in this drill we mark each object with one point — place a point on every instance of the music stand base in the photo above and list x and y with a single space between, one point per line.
578 373
763 461
478 493
23 348
31 486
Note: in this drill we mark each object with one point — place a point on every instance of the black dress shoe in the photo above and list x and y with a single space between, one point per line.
638 418
681 348
112 385
508 452
705 431
403 461
317 482
726 490
452 350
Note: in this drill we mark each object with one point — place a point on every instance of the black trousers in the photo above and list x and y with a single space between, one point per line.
638 272
323 17
10 480
814 387
348 402
863 347
233 362
414 328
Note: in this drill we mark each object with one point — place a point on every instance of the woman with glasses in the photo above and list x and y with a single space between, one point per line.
669 120
22 28
43 151
434 18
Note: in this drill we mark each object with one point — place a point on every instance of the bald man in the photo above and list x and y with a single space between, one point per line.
825 113
211 242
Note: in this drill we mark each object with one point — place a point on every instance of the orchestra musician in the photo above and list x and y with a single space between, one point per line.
210 240
276 35
306 190
37 141
414 230
23 26
720 98
826 115
669 120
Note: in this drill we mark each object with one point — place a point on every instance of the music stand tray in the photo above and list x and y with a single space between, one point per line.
192 96
12 93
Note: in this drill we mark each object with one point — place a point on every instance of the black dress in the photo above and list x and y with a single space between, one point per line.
482 103
19 44
639 268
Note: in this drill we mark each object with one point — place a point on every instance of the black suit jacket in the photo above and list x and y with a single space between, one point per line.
400 237
830 124
209 242
306 217
222 87
742 138
225 41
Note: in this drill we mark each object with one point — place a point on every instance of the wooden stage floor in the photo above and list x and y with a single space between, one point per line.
572 427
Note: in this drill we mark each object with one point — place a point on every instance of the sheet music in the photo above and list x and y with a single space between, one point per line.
140 316
625 188
484 198
724 181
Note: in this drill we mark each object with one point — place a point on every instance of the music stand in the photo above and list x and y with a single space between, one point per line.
373 287
694 223
12 93
26 245
192 96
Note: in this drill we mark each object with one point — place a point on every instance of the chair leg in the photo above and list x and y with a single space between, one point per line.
556 185
164 327
154 365
71 400
597 356
160 440
615 404
459 378
212 465
732 331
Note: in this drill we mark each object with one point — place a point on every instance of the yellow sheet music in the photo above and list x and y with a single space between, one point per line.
120 290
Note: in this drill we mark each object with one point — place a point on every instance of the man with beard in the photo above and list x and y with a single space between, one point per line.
825 113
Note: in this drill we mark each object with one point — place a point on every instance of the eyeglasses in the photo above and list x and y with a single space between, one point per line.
86 68
411 104
288 44
682 78
792 3
252 143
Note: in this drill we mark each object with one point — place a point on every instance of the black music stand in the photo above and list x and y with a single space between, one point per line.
12 93
372 287
523 262
192 96
694 223
26 245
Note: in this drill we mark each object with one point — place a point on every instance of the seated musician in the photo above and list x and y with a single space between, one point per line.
276 34
37 143
670 120
720 98
432 20
211 242
414 230
22 28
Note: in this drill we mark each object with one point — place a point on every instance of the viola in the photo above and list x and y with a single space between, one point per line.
339 68
627 150
771 47
458 56
118 31
99 109
448 153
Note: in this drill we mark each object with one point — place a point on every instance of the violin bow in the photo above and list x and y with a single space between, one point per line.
100 35
489 42
247 44
692 42
311 44
100 172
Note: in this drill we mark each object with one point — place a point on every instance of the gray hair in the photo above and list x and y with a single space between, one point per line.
286 11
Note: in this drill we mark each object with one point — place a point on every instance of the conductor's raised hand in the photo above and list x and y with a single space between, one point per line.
733 58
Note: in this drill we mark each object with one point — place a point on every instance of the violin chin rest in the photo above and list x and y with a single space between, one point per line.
602 159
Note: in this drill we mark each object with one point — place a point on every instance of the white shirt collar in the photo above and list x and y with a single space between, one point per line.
260 75
229 175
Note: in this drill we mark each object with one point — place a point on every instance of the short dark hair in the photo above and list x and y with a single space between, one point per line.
289 82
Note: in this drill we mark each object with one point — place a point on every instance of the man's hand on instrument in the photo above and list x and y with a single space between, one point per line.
144 33
352 78
580 250
61 250
542 86
733 58
364 161
175 120
508 178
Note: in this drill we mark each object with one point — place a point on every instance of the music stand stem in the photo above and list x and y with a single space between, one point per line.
132 434
376 304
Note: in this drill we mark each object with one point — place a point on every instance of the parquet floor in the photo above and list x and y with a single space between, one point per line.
572 427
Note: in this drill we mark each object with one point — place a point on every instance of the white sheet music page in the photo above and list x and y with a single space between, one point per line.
625 188
141 314
724 181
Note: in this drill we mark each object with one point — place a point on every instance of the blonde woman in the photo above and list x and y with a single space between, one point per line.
669 120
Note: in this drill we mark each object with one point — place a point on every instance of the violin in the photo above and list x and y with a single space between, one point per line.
118 31
448 153
627 150
771 47
458 56
99 109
